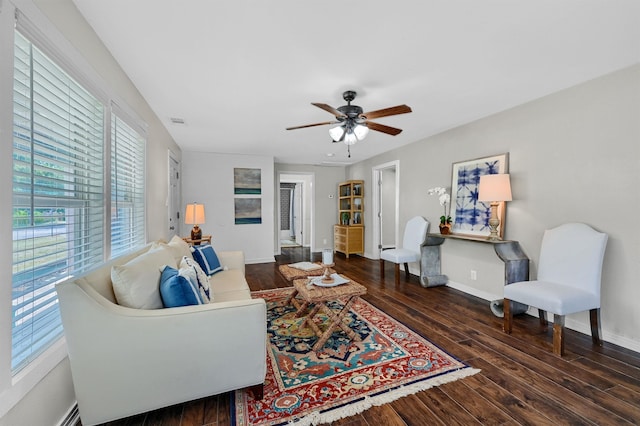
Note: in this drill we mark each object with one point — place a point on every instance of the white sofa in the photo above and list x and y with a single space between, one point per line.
126 361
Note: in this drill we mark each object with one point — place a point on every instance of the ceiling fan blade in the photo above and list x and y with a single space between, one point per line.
312 125
399 109
329 109
393 131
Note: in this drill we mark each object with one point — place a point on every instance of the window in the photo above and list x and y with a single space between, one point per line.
58 209
127 187
63 146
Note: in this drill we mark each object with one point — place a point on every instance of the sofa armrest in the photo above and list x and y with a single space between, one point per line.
232 259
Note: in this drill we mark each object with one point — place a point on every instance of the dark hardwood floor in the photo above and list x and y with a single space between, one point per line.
521 381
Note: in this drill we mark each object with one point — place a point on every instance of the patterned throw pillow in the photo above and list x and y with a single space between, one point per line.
207 259
201 278
177 290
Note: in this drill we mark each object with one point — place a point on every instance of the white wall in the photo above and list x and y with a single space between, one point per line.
43 394
207 178
574 156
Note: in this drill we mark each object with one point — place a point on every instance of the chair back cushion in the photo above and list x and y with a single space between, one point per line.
572 254
415 232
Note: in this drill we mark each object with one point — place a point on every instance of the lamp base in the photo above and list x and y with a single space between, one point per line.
494 222
196 234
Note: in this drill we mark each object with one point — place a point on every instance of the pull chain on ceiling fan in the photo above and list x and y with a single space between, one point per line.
354 124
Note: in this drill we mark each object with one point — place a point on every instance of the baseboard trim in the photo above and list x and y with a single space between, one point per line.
570 323
72 418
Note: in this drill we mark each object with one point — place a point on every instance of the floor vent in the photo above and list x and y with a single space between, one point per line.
72 418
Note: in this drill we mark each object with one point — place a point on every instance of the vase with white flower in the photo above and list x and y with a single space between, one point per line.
445 201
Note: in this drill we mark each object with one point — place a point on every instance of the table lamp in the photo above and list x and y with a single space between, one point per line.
194 215
495 189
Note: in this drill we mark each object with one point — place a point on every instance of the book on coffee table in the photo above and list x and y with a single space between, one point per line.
305 266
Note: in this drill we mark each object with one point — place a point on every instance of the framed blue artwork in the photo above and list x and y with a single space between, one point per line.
470 216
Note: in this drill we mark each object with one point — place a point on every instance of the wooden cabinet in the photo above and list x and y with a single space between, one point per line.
348 239
348 234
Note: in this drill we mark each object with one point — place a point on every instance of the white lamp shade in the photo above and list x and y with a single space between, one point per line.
361 131
194 214
494 188
336 133
350 138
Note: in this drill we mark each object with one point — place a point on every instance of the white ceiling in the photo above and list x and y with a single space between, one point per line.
240 71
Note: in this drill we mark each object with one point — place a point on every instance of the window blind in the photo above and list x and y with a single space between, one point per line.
127 187
58 187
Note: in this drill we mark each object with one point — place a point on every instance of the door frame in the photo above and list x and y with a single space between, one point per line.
376 172
173 195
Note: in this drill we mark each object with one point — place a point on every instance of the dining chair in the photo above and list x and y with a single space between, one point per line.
569 278
415 233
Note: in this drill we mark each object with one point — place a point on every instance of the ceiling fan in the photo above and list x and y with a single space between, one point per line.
353 123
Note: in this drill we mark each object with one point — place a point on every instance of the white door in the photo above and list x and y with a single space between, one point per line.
173 199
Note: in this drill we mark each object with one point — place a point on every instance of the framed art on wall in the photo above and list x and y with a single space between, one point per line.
470 216
247 181
248 211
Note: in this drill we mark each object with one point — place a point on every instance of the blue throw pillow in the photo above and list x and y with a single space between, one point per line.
207 259
177 290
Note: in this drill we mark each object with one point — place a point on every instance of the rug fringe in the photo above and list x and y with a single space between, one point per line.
367 402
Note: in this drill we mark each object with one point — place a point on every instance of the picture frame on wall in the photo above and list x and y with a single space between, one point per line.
248 211
470 216
247 181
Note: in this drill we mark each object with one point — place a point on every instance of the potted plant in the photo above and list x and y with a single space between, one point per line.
445 199
345 218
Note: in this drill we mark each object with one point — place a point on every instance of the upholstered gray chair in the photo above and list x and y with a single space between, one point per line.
569 275
415 233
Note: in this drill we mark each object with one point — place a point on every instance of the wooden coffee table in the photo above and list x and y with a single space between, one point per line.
319 296
290 274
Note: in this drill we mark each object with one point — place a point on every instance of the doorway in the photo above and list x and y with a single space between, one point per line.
386 206
291 211
295 210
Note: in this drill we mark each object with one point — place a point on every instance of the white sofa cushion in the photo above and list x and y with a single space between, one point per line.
136 284
178 248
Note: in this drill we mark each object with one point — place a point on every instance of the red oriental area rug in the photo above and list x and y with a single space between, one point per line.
345 377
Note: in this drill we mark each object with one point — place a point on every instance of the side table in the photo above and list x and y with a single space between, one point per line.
204 239
516 264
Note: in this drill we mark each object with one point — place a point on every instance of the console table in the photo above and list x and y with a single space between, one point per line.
516 264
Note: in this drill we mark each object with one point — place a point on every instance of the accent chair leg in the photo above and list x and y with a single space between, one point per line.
382 269
543 317
508 316
558 334
257 391
596 332
397 273
406 271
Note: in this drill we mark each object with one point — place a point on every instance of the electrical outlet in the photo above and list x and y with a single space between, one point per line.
324 242
474 275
